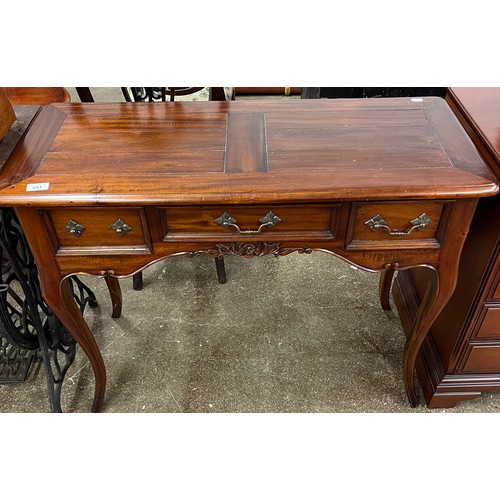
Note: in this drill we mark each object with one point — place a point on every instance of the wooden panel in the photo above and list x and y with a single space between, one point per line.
490 325
311 222
398 217
144 139
97 232
354 139
246 148
483 359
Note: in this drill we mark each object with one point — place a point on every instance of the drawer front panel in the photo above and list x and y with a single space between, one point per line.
308 222
99 230
490 324
389 225
483 359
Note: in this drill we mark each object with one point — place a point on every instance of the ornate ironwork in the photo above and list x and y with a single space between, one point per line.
417 224
120 227
248 250
269 220
14 361
26 323
155 94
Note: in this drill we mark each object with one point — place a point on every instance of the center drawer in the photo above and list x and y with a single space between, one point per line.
263 222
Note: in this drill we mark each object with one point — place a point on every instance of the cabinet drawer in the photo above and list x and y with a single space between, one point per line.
99 230
483 359
389 225
490 324
292 223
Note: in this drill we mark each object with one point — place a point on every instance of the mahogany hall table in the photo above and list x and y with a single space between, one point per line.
107 189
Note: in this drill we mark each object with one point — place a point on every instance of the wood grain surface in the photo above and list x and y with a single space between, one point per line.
140 153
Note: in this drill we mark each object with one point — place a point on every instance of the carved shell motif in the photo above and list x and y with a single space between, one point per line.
248 250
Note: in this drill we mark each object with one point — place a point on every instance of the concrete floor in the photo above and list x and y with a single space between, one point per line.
301 333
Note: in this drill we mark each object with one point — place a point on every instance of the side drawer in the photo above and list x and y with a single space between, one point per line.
390 225
98 230
483 359
290 222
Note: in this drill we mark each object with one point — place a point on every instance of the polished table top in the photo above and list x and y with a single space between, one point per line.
244 152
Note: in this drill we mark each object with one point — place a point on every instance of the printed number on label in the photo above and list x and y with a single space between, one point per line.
40 186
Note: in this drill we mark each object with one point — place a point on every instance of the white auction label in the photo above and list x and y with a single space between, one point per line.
40 186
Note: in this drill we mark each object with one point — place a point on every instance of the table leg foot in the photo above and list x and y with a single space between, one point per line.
384 288
221 270
137 281
115 293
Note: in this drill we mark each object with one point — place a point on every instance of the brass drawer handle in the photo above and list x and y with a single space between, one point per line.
269 220
75 228
377 222
120 227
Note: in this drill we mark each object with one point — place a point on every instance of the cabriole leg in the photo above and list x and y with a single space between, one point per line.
60 300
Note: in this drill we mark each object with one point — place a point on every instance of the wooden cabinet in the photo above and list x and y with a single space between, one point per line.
461 357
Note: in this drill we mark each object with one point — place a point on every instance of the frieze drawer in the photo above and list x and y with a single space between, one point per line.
388 225
261 223
98 230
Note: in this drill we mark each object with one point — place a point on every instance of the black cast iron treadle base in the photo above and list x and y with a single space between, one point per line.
28 328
